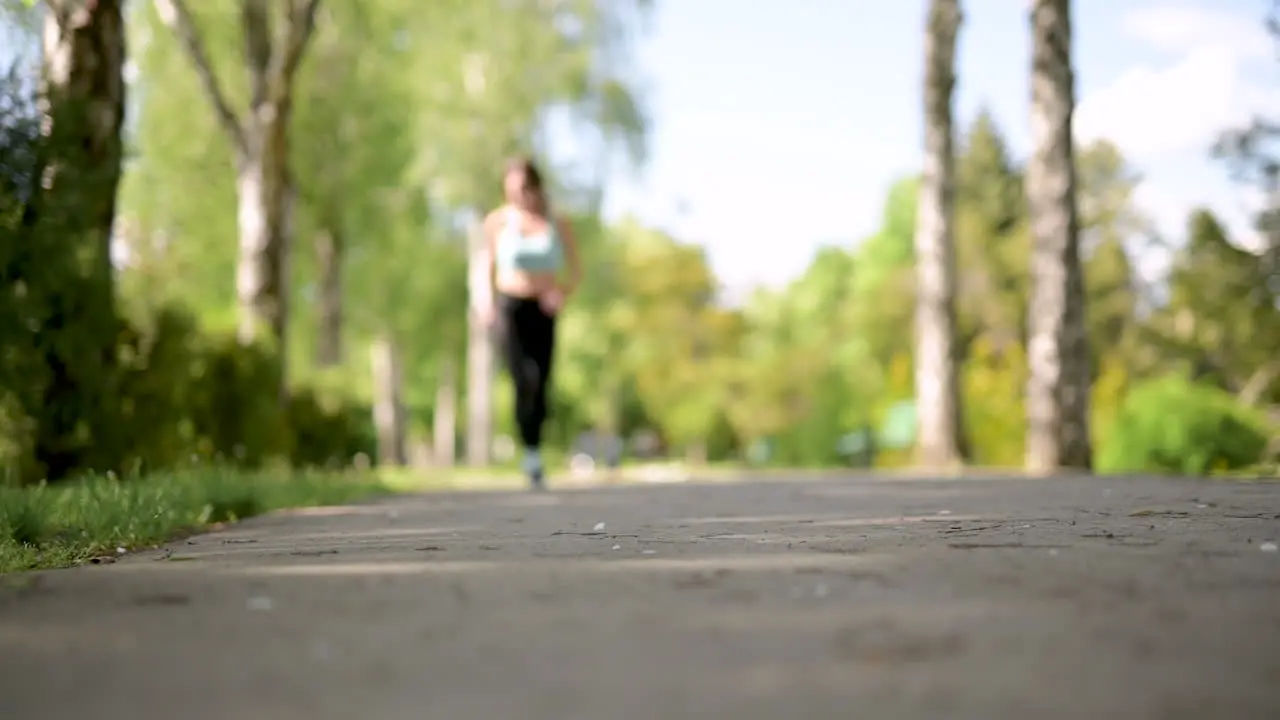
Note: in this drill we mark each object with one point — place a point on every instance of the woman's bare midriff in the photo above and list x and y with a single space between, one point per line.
520 284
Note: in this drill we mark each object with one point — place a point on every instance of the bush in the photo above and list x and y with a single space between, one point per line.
179 398
21 378
994 414
1171 424
18 463
329 431
187 397
198 397
235 408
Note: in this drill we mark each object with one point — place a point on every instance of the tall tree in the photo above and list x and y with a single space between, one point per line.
259 138
83 100
1221 323
1253 156
1058 342
991 243
68 221
353 147
883 283
1110 223
939 440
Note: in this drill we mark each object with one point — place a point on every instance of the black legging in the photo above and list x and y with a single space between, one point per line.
528 339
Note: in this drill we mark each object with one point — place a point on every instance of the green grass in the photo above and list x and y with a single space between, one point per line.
1260 472
51 526
508 476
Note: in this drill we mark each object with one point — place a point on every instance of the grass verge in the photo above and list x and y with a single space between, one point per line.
1264 472
51 526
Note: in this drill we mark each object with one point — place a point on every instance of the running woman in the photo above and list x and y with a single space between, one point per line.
533 261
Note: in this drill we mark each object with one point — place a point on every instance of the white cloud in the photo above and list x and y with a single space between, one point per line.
1154 110
1166 113
1166 210
1174 28
1150 112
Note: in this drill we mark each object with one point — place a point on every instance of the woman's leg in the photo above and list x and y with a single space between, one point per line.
541 351
517 360
528 339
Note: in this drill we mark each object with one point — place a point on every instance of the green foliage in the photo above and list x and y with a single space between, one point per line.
188 396
1174 425
993 384
329 430
57 317
892 248
1222 320
830 351
191 396
992 246
402 114
20 371
57 525
18 437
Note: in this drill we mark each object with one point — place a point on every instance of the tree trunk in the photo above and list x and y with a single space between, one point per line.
264 198
83 104
388 407
329 255
480 358
444 426
939 442
72 214
1058 344
264 188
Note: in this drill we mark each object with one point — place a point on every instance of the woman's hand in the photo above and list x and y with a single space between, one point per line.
552 301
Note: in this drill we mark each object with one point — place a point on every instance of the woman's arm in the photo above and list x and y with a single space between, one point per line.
571 257
483 281
490 231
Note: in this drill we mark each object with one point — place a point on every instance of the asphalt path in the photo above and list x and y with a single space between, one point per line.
774 599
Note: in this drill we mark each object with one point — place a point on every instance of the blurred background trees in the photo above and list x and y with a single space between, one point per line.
124 312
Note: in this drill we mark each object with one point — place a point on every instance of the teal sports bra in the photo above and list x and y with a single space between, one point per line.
539 252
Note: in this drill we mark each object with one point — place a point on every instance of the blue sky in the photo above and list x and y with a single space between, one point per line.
779 125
